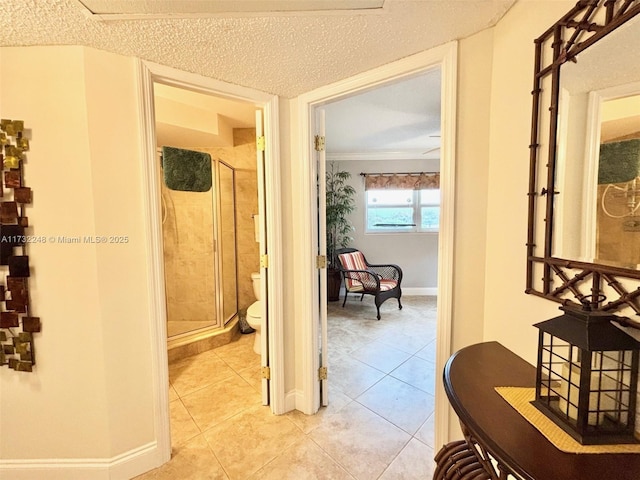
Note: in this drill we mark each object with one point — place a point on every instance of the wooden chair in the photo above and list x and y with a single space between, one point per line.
361 277
458 461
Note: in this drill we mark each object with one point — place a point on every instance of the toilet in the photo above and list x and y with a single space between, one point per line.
254 312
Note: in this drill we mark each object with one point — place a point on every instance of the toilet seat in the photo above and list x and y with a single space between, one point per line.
254 310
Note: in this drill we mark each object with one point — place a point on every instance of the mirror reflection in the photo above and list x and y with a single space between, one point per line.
597 210
618 192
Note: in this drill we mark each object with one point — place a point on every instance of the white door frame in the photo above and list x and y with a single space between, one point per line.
304 213
149 72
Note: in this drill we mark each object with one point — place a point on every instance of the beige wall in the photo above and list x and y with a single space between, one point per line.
508 313
472 157
495 78
94 350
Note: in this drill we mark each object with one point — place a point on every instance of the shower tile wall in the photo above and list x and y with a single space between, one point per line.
188 254
242 157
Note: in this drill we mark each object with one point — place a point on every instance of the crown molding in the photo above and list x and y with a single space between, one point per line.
388 155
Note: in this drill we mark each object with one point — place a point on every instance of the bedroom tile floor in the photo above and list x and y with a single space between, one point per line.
378 425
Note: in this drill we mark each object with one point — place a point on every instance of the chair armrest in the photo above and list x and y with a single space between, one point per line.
369 280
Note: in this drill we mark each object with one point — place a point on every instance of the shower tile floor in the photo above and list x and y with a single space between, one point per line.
378 425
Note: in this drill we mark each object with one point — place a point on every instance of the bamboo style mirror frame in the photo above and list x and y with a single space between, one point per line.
584 64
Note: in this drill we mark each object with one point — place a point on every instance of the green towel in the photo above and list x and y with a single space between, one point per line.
619 161
186 170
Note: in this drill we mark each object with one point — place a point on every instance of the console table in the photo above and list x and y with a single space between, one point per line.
490 425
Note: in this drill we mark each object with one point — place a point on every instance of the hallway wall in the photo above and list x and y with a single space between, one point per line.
93 379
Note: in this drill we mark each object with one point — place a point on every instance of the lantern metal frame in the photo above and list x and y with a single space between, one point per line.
587 376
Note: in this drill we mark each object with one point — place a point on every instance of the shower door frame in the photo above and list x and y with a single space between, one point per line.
218 248
148 73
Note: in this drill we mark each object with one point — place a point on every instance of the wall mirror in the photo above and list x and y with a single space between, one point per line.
583 244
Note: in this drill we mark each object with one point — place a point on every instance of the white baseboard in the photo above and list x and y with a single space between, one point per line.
410 291
294 400
420 291
121 467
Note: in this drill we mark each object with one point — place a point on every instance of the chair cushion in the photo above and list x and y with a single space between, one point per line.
353 261
358 282
386 285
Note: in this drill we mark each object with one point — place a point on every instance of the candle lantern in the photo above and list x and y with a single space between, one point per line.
587 376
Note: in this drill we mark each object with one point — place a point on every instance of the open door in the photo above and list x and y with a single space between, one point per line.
319 142
264 263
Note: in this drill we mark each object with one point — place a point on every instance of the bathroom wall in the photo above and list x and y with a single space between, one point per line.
242 157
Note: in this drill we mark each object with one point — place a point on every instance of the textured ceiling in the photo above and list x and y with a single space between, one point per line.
281 53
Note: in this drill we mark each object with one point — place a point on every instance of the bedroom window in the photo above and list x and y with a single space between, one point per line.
395 211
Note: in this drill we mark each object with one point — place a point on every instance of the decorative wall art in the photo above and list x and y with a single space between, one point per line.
17 325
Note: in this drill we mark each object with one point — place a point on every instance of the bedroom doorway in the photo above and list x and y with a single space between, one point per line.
445 59
390 133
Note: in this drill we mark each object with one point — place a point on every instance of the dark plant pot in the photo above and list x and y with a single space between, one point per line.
334 280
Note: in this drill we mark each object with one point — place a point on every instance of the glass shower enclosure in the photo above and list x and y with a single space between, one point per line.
200 253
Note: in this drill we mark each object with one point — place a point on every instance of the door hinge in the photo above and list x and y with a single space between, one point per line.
260 143
264 261
318 143
322 373
321 261
266 372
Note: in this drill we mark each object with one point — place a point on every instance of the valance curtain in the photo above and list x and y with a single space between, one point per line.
401 181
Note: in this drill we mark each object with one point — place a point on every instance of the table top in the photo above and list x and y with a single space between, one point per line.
470 378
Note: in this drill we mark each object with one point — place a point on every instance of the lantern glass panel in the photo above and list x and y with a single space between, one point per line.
611 384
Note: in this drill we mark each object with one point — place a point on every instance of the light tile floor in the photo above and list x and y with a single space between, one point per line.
378 425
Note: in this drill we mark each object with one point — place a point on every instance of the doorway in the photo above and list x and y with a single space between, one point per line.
445 58
208 257
390 133
150 73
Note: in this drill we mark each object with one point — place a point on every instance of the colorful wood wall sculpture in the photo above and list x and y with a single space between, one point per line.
17 325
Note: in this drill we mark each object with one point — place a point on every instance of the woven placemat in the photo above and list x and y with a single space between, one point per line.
520 399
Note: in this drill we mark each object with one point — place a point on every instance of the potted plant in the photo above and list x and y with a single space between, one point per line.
340 203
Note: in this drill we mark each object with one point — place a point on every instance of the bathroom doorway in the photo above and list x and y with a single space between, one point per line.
209 250
150 73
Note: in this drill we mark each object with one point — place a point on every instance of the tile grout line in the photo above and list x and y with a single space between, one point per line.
377 334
